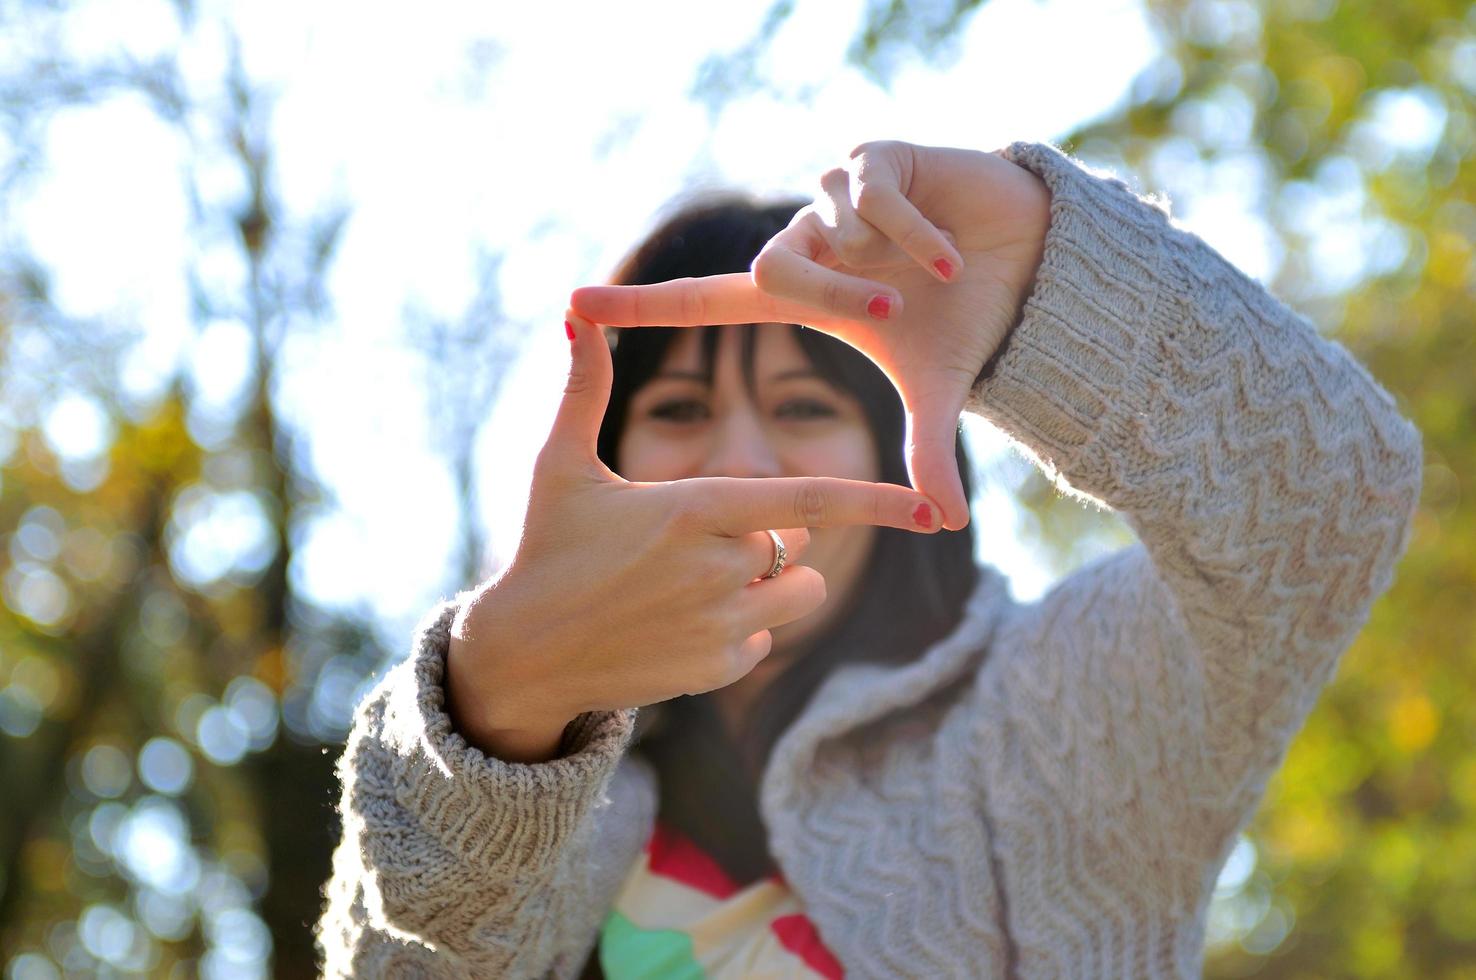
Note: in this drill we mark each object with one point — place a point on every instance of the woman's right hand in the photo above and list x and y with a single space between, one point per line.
624 594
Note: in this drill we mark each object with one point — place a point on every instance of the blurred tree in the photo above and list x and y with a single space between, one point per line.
467 364
1330 144
151 639
168 693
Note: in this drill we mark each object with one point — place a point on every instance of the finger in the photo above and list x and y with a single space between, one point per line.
733 664
576 427
757 551
734 505
852 240
752 652
771 602
877 197
731 298
787 268
932 460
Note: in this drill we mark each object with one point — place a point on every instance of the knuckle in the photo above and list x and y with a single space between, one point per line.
831 297
878 147
763 269
809 505
914 239
578 382
713 568
804 214
694 518
868 196
682 518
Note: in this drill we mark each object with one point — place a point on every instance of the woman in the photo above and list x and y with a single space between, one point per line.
1049 789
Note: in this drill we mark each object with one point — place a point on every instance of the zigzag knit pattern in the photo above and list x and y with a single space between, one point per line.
1051 790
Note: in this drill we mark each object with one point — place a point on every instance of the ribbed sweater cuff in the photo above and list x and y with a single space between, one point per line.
500 816
1071 368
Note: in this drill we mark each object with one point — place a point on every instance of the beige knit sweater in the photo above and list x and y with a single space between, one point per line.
1051 790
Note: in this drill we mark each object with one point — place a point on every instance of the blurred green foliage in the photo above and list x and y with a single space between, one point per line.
1353 124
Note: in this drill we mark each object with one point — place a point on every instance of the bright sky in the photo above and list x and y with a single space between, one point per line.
556 145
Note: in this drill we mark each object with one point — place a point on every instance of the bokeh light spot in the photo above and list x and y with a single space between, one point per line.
154 846
20 712
31 966
165 766
77 427
254 707
106 771
39 534
37 593
222 736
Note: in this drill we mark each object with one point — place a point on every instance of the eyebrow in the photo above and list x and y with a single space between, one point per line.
696 376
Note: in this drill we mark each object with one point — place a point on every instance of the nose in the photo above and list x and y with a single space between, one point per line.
741 448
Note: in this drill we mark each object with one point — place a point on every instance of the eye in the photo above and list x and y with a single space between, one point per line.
805 408
679 410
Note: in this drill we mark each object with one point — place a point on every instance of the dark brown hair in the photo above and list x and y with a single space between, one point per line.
910 595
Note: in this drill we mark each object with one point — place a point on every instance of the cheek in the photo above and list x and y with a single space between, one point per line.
644 459
849 455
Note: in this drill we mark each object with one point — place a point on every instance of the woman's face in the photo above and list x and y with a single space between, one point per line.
794 423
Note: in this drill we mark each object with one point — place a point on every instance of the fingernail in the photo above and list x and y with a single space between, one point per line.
923 515
880 307
569 329
944 267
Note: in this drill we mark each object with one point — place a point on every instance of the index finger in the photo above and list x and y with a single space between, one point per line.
734 506
730 298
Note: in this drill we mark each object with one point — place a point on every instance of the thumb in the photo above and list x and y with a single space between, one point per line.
576 427
932 460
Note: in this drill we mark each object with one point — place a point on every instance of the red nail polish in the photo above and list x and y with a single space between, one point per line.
944 267
923 515
880 307
569 329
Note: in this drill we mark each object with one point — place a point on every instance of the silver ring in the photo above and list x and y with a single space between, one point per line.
780 555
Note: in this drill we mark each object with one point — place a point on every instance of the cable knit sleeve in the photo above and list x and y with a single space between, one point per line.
1270 481
453 863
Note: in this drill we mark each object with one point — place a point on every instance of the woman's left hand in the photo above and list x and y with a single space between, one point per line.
920 257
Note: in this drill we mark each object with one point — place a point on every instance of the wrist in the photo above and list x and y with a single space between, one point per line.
987 371
1033 217
501 715
521 745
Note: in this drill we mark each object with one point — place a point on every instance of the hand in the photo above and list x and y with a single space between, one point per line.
920 257
623 594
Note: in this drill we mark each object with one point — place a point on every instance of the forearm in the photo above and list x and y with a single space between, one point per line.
1270 477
